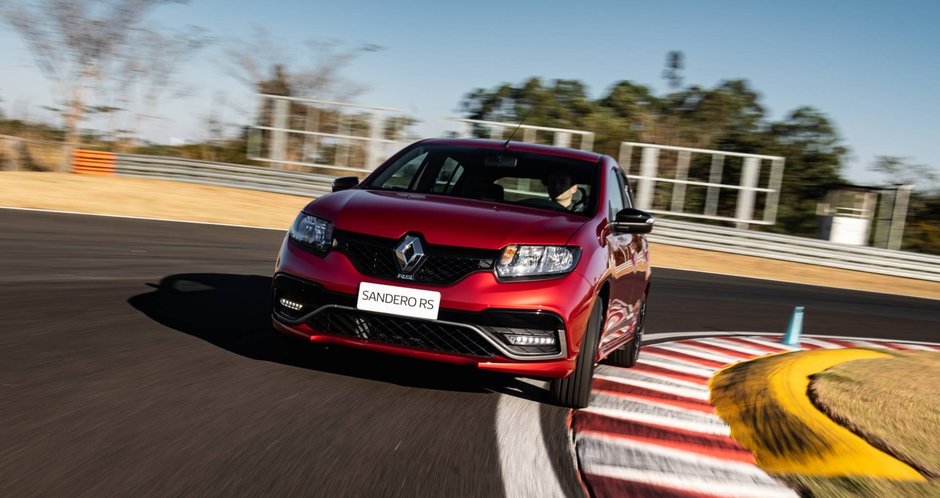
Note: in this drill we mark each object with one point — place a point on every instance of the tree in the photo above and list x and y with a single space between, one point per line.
901 171
727 117
258 59
814 154
146 75
77 45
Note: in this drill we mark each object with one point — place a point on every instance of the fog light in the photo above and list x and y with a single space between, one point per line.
531 340
287 303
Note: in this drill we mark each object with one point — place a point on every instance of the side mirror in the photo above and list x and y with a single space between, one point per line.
345 183
631 220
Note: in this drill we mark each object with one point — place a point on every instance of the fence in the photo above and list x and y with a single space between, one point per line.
674 201
308 134
797 249
671 232
226 175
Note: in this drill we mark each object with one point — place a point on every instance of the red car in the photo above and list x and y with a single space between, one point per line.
511 257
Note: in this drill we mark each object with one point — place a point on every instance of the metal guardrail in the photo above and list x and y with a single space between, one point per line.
797 249
670 232
222 174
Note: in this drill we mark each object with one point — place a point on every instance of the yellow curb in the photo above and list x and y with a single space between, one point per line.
766 404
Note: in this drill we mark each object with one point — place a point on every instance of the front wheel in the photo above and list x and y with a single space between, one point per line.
574 391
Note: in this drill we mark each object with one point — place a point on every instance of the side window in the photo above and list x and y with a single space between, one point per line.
614 194
447 177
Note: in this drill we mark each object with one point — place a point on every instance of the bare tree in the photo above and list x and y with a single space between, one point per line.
146 75
77 45
314 71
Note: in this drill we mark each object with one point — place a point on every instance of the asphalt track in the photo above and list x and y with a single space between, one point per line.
136 357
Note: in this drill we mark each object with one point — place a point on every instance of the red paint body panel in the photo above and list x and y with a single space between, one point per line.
617 265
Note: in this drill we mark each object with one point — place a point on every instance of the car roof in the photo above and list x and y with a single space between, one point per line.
547 150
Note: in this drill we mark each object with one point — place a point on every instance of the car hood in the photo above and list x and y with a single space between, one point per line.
443 220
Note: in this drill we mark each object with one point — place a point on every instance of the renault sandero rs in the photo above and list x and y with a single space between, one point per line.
510 257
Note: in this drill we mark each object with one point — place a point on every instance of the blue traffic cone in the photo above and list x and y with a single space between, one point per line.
792 337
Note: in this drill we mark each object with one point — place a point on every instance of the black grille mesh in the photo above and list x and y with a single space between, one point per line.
399 331
443 266
444 270
372 260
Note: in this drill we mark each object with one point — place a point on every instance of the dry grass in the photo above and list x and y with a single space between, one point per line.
894 403
149 198
861 487
176 200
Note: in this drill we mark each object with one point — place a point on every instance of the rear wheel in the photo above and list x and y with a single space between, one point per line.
574 391
628 354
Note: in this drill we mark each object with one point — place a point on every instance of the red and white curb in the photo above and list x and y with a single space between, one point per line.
651 431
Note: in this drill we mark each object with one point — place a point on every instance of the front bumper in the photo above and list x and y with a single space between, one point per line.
469 330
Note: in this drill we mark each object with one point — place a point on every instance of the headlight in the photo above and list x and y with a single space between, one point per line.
530 261
312 231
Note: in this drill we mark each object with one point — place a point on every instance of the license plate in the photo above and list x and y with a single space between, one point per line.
402 301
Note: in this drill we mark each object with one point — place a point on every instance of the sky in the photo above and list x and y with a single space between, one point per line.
872 67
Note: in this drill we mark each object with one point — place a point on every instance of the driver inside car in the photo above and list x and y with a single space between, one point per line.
562 191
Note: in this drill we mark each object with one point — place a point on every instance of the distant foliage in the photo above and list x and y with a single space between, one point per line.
727 117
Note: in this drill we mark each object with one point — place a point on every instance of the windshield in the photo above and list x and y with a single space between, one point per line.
524 179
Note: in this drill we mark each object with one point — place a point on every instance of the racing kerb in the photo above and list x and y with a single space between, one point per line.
652 430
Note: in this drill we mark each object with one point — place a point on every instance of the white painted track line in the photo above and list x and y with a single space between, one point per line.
662 421
672 360
694 485
526 467
648 376
821 343
916 347
705 354
699 394
659 409
645 456
678 368
734 347
771 344
145 218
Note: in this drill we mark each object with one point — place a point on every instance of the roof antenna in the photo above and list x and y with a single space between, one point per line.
506 144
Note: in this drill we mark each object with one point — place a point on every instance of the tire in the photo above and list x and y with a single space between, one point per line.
574 391
628 354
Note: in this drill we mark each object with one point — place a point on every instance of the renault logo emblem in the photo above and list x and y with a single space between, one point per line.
409 254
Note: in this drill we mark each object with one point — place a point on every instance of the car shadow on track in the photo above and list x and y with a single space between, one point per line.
233 312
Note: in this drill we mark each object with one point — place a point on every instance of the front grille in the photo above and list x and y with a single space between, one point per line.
442 265
372 260
445 270
399 331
